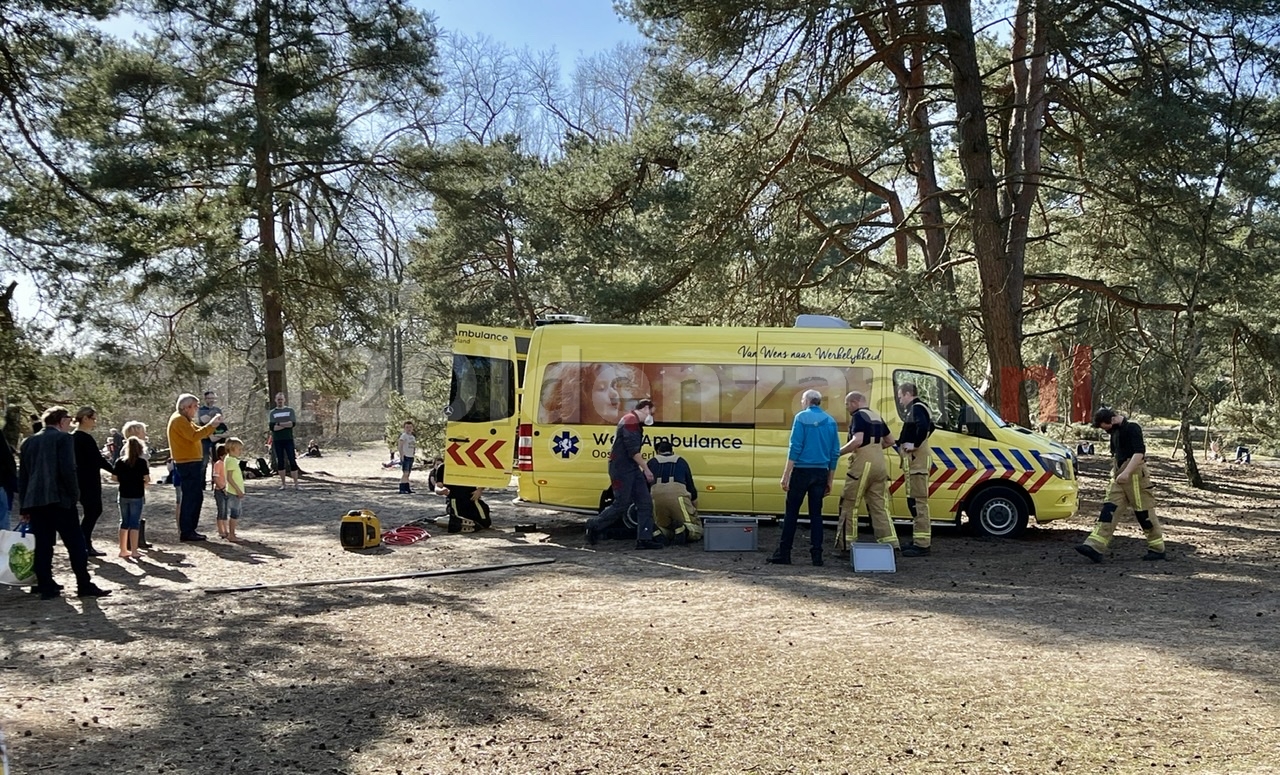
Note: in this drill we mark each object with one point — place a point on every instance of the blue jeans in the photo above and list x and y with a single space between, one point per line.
808 483
207 447
131 513
191 481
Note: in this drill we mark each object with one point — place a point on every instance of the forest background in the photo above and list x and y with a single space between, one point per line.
261 195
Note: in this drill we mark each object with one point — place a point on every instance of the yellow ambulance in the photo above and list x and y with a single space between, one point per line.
543 405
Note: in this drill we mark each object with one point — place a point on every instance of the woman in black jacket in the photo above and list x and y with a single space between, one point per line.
8 481
89 461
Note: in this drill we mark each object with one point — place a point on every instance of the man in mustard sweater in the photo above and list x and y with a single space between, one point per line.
188 459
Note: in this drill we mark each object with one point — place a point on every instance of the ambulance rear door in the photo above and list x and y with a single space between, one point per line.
484 396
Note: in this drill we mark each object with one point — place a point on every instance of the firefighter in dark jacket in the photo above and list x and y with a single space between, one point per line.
914 443
1130 488
675 497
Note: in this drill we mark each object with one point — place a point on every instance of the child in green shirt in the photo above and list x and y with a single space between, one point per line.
235 485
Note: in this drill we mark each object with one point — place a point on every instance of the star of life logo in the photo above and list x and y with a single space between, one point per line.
565 444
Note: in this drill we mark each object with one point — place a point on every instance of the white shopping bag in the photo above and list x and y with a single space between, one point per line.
17 557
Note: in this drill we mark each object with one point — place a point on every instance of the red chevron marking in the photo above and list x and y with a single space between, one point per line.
1044 478
491 454
453 453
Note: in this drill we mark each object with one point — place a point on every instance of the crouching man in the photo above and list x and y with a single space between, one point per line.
464 506
675 498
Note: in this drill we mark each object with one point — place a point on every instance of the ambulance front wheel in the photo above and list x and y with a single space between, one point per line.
1000 512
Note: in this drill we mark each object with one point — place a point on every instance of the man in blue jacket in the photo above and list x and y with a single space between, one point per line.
810 471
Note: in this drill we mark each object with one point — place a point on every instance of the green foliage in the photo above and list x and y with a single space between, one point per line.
428 423
774 158
1248 423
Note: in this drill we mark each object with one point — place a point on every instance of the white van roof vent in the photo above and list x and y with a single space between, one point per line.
821 321
559 318
872 325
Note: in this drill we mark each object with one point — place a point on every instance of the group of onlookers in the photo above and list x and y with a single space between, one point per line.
60 466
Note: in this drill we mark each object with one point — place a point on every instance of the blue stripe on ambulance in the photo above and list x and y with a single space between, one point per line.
1004 461
1026 464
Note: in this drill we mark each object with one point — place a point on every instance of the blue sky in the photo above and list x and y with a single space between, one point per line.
574 28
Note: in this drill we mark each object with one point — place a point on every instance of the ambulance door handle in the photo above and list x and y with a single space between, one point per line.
462 441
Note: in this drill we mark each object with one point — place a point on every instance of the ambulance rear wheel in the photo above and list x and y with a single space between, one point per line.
1000 512
629 519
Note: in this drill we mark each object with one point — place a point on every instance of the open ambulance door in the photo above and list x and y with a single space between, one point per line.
484 397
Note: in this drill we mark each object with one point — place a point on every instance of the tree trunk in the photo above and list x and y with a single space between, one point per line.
1190 396
264 196
1189 464
936 251
1000 274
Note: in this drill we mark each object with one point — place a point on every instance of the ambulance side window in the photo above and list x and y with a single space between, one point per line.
950 410
481 389
930 389
967 421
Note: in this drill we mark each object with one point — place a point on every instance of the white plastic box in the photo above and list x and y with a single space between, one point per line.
873 558
730 534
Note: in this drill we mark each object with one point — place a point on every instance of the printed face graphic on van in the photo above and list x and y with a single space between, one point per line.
589 393
604 398
691 394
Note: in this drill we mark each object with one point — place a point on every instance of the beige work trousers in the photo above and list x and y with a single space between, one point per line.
915 464
1137 496
865 484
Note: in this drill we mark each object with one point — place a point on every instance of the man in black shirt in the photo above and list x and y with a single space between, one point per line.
1130 488
867 478
917 426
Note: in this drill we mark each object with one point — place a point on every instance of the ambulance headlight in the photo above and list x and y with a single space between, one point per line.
1058 465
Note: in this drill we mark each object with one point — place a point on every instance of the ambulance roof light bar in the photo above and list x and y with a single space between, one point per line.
560 318
821 321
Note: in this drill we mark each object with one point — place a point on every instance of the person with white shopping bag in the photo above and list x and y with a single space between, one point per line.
48 492
17 557
17 549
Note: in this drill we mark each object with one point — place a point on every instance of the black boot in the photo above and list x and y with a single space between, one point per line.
816 554
142 535
778 559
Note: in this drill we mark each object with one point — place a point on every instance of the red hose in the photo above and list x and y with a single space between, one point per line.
404 535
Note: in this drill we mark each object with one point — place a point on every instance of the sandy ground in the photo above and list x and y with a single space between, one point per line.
990 656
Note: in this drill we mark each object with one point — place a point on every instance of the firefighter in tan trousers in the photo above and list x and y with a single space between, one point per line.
868 476
914 443
675 497
1130 488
